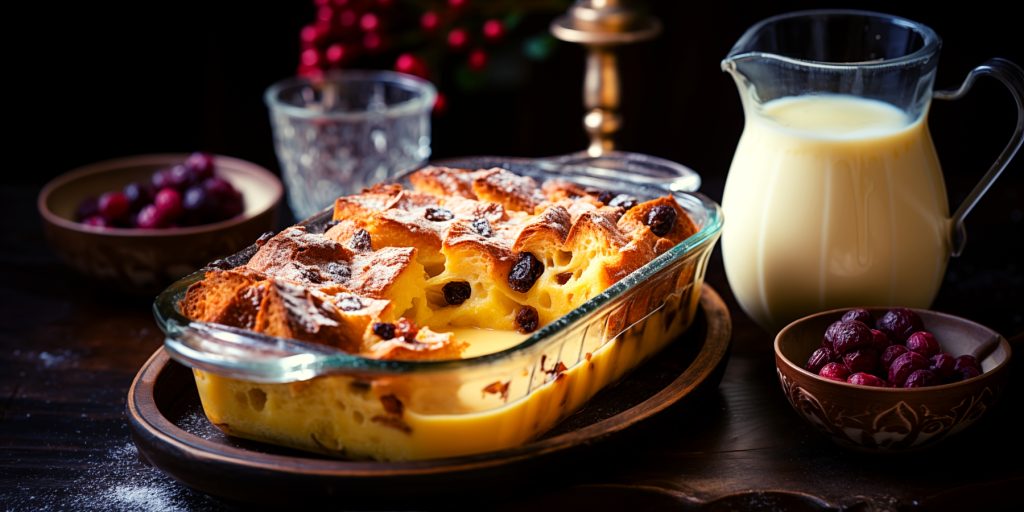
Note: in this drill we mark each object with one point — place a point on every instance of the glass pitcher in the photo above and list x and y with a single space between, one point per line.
835 197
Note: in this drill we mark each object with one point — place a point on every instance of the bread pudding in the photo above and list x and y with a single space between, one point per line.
460 264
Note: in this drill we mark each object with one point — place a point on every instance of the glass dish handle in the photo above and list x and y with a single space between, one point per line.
242 354
1012 76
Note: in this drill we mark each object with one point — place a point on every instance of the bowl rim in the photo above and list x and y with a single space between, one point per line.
779 356
78 173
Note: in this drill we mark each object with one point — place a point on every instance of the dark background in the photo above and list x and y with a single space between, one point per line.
121 78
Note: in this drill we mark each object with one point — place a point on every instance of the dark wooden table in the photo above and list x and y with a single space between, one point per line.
68 352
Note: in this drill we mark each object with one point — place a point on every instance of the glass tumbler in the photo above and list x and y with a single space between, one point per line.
347 130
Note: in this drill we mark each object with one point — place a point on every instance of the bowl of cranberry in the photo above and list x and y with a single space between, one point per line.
890 379
141 222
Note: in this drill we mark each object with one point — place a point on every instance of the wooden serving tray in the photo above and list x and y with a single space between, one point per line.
172 433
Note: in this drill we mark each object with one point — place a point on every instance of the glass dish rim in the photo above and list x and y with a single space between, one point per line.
331 360
425 91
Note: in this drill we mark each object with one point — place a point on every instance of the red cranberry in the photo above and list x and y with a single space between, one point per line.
819 358
969 372
899 323
138 194
943 366
967 366
890 354
920 379
879 341
923 343
161 179
858 314
113 205
149 218
850 336
904 365
835 371
866 379
862 360
200 165
88 207
96 221
168 202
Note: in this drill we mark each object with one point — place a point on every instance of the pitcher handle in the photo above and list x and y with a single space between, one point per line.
1012 76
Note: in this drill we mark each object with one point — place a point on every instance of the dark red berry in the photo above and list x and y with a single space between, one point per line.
899 323
88 207
849 336
149 218
168 202
904 365
920 379
890 354
943 366
527 320
661 219
438 215
181 177
923 343
138 194
866 379
456 292
96 221
525 272
969 372
835 371
161 179
818 359
862 360
858 314
386 331
967 366
879 340
201 165
493 30
113 205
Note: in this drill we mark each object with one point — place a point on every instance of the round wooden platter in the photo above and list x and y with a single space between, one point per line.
172 433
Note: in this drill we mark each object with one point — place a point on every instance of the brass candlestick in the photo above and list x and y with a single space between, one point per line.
601 25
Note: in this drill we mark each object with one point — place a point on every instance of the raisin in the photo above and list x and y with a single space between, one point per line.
338 271
563 278
350 303
527 319
525 272
386 331
312 275
661 219
456 292
482 227
438 214
605 197
361 241
623 201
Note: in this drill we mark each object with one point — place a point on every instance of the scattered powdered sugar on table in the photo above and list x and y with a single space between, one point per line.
117 480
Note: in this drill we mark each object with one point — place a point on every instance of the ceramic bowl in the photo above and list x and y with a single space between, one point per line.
892 419
143 261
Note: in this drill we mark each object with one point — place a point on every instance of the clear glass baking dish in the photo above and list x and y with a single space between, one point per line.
317 398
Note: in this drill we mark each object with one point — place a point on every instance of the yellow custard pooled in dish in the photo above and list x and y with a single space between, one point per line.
463 264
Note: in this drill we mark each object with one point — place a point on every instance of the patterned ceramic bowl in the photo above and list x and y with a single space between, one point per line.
892 419
144 261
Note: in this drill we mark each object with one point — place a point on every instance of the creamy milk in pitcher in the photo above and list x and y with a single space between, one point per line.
835 196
